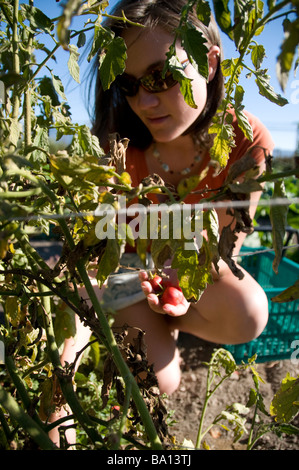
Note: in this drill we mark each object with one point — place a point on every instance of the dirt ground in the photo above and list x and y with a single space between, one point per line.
187 401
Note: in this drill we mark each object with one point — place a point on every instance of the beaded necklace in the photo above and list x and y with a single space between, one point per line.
185 171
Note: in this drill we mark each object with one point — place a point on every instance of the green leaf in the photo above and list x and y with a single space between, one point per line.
278 217
41 140
244 124
72 63
162 251
288 49
223 142
65 324
37 19
112 62
242 119
70 8
203 11
81 39
223 16
84 142
253 396
174 65
193 276
47 88
109 261
58 86
15 131
194 42
228 66
258 54
284 405
80 168
246 16
266 90
101 38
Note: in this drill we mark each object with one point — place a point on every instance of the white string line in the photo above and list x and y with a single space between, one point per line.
134 270
159 208
264 250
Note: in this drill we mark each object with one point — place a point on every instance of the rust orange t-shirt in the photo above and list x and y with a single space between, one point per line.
261 145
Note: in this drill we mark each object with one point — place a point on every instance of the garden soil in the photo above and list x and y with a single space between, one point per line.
187 402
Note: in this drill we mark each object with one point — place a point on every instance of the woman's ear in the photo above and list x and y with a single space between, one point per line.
213 60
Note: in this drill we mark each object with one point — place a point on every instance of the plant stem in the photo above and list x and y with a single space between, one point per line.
24 420
5 427
20 194
200 434
27 97
250 443
123 418
65 380
16 60
21 389
120 363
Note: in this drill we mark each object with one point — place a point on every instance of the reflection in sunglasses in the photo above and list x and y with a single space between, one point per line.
153 82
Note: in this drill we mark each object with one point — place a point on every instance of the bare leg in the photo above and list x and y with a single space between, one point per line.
229 312
160 340
71 347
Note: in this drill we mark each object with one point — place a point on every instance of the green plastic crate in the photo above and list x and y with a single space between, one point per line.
283 325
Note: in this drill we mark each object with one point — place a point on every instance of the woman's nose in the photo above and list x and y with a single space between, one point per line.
146 99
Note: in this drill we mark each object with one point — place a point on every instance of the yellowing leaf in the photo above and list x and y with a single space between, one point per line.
187 185
125 178
13 310
284 405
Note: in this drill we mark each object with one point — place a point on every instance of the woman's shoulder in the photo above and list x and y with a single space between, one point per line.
260 142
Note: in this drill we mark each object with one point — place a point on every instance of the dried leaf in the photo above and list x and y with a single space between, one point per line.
288 295
226 247
118 152
239 167
278 217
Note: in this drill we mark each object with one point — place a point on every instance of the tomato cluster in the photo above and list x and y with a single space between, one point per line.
168 293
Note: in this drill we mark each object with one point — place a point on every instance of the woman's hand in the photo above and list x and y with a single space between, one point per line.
178 306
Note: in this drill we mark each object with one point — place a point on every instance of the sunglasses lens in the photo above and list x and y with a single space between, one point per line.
155 83
127 84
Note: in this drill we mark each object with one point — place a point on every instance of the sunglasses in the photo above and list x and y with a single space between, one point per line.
153 82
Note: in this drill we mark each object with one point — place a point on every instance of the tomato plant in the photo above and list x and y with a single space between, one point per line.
45 192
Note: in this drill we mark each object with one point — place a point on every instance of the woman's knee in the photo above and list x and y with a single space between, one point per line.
169 377
254 316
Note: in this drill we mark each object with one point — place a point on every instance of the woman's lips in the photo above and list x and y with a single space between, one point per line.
157 120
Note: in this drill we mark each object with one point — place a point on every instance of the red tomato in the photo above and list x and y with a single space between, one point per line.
172 295
156 283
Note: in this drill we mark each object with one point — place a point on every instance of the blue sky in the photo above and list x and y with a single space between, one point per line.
282 122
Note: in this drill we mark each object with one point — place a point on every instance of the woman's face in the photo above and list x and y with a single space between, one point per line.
165 114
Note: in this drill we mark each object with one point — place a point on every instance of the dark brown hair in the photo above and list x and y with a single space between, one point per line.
111 110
